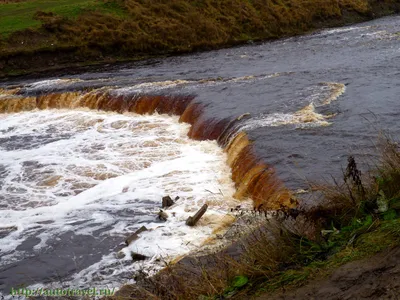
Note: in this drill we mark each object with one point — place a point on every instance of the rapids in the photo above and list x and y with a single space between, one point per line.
85 158
74 182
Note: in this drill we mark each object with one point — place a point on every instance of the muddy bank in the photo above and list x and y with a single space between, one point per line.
159 29
377 277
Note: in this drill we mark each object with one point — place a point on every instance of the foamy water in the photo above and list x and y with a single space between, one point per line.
320 95
104 174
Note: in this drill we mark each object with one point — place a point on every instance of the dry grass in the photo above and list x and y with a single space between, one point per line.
130 28
265 251
358 217
360 194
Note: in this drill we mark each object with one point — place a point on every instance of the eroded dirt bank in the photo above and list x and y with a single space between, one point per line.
377 277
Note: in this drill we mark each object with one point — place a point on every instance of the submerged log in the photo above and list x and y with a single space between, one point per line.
135 235
167 202
191 221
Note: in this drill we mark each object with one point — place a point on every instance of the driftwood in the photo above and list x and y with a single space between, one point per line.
191 221
135 235
167 202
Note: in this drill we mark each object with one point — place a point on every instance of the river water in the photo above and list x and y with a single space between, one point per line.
75 183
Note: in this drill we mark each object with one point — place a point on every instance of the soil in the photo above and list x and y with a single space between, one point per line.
377 277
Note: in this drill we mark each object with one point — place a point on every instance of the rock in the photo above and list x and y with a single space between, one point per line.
138 257
120 255
167 202
163 216
135 235
177 198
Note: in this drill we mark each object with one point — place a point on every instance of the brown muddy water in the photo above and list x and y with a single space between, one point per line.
86 158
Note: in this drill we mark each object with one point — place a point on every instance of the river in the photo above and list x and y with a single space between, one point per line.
74 182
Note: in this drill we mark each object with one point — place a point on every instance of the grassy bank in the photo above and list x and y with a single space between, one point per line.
40 34
354 218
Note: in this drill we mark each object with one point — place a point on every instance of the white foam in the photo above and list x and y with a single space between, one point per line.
93 166
319 95
146 87
47 84
343 30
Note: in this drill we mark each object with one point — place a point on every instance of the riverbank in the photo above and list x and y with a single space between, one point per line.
87 32
346 246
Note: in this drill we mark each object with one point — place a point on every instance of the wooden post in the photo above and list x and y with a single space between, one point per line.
135 235
191 221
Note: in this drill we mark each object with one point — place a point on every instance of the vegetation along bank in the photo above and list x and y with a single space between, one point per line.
37 35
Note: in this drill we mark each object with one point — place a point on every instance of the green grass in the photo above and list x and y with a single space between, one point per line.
20 15
383 236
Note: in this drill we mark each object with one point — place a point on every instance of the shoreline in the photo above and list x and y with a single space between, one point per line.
16 61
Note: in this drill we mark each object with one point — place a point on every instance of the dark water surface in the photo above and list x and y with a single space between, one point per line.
364 57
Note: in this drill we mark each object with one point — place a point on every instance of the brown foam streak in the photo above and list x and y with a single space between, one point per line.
243 163
146 105
192 113
10 105
252 177
228 132
269 193
209 129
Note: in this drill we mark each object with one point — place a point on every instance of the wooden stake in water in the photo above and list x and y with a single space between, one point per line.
191 221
